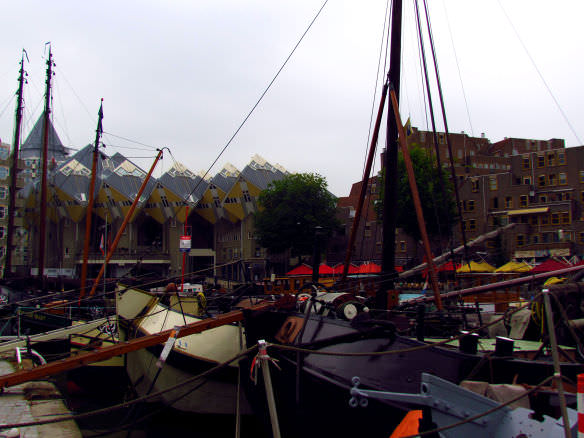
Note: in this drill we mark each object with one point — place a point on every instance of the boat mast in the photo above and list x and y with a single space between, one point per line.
14 170
390 165
89 210
45 154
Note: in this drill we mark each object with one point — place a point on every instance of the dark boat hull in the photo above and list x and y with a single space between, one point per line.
315 387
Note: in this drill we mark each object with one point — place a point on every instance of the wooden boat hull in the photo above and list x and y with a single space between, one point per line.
190 356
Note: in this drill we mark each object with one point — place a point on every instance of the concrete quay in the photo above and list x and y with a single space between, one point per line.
30 402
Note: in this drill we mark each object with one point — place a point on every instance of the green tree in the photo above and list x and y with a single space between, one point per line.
291 209
436 196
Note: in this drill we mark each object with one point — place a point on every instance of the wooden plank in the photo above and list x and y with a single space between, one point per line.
123 348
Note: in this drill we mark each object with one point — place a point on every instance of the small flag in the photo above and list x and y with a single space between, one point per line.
408 128
101 245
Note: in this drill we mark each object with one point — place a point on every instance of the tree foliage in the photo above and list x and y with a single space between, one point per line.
436 196
290 211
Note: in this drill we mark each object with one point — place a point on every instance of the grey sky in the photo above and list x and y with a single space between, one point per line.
183 74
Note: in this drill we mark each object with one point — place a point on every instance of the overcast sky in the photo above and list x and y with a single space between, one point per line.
184 74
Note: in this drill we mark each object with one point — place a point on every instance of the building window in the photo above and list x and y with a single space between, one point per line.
551 159
544 219
520 240
543 198
541 180
581 237
535 238
495 203
493 183
3 192
3 172
474 184
3 211
555 219
508 202
472 225
523 201
566 218
527 180
561 158
552 179
525 163
403 246
540 160
533 220
469 205
562 179
2 232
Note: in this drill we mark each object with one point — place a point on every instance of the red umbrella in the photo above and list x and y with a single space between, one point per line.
302 269
548 265
369 268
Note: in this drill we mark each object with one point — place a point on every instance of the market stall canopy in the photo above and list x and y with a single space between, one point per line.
338 269
324 269
369 268
549 265
476 267
302 269
514 267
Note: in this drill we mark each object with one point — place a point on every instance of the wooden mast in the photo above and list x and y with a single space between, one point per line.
44 170
390 165
364 183
14 171
123 226
89 210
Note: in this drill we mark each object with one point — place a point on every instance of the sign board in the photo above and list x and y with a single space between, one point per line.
185 243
